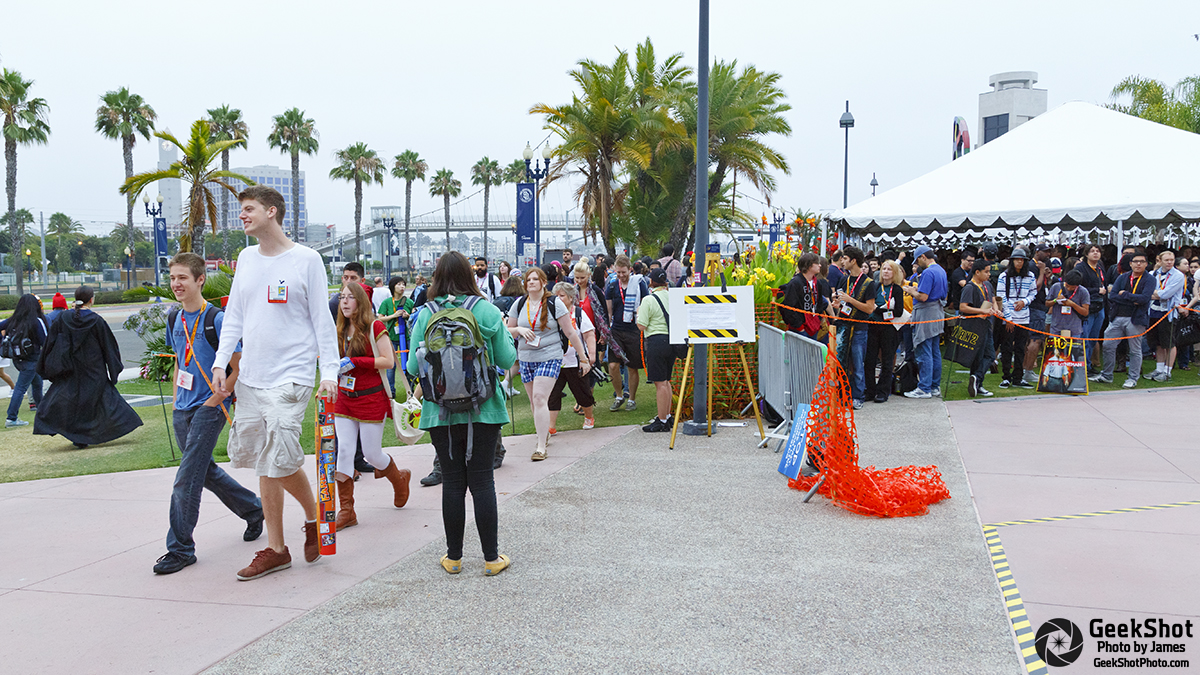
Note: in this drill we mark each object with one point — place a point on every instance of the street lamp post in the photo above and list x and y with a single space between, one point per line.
389 223
29 264
154 213
846 122
537 173
874 183
128 268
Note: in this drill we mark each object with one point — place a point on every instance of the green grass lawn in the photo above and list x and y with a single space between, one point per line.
954 382
24 456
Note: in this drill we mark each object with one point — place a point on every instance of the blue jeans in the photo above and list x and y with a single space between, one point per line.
392 371
929 364
26 375
1092 324
197 430
852 349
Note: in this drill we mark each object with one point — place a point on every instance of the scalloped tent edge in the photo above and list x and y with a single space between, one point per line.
1079 166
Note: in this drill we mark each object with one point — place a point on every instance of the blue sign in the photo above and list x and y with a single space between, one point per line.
774 230
526 233
793 453
160 238
712 248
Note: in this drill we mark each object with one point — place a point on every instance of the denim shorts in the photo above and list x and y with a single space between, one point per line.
532 369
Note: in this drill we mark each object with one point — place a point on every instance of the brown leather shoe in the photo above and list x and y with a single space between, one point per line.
399 479
266 561
312 546
346 517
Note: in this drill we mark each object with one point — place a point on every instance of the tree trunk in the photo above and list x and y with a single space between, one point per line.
683 215
357 217
196 218
224 195
295 195
14 228
127 148
407 213
446 195
605 199
487 190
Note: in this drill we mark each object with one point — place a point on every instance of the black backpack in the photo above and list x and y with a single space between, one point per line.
19 347
210 326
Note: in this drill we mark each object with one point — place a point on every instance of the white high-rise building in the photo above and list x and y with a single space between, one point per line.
170 189
281 180
1012 102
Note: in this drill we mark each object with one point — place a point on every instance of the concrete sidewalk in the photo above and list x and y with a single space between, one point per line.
638 559
77 594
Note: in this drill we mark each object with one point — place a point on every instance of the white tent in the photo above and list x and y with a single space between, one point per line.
1077 166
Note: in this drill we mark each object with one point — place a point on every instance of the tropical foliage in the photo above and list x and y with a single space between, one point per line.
487 173
445 185
1150 99
194 169
630 134
294 134
23 121
409 167
226 124
358 164
123 116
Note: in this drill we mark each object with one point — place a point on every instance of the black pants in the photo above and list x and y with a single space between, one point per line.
881 349
457 476
1012 351
580 386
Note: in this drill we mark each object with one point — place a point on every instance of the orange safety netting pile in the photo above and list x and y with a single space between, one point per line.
833 449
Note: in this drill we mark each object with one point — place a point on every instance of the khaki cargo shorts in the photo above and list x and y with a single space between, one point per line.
265 435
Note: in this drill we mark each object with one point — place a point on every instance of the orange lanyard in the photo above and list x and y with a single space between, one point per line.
1136 282
983 295
1099 272
532 318
1072 298
191 339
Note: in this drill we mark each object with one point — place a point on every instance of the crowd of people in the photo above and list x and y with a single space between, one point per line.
1014 299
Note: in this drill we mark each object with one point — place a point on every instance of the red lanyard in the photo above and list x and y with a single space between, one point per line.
191 339
533 318
1099 272
1136 282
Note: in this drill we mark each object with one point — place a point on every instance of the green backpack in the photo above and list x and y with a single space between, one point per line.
455 370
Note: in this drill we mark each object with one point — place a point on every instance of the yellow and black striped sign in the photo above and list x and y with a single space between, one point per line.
713 333
709 300
1013 605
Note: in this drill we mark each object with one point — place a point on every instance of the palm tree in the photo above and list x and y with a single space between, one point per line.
23 122
409 167
599 131
63 225
359 164
124 116
226 124
445 185
295 134
486 172
1150 99
514 172
193 167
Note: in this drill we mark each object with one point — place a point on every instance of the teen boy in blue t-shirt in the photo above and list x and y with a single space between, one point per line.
198 418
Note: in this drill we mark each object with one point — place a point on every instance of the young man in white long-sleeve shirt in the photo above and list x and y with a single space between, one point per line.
277 308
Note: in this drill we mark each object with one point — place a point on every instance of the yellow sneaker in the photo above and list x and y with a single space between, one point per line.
491 569
451 566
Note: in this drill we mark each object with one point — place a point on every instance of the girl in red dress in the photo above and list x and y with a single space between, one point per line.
362 405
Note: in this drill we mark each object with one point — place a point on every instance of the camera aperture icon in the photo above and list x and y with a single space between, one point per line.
1059 642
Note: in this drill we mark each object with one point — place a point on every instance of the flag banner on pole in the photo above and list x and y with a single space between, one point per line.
160 237
774 232
525 222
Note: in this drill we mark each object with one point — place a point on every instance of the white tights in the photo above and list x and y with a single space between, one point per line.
349 432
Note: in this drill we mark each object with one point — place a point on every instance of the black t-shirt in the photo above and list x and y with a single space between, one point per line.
972 296
959 274
860 288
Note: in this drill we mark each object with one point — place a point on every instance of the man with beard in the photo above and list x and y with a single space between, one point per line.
488 284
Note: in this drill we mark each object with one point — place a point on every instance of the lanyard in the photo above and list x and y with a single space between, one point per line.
1072 298
1137 281
533 318
856 281
191 339
983 295
1162 280
891 293
1099 272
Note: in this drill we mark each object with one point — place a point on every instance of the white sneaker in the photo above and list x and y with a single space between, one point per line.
1129 384
937 391
8 424
917 393
985 393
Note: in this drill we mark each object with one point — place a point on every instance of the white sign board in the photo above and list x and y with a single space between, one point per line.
707 315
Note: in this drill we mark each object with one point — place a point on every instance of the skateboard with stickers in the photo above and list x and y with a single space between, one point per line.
326 482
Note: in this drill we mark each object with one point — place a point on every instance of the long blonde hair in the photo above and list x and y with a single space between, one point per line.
360 321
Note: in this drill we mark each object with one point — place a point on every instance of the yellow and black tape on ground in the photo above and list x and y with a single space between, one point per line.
709 299
1093 514
1013 605
712 333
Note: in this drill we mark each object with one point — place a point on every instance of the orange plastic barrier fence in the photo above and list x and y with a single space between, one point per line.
833 448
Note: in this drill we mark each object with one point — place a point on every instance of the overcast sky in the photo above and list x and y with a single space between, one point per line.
455 80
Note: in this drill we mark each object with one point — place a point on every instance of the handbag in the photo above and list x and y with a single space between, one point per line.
1187 329
406 416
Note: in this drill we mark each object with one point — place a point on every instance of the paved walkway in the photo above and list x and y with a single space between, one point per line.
77 594
1053 456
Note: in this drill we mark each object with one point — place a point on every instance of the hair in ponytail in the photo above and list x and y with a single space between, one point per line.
83 295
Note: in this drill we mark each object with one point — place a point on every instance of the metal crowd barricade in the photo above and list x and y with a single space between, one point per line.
789 367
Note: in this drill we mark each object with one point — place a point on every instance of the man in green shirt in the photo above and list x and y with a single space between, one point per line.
653 320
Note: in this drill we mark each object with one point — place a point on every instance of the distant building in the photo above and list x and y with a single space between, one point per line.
281 180
1012 102
170 189
318 233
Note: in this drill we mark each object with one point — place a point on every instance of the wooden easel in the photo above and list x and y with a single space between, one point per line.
687 368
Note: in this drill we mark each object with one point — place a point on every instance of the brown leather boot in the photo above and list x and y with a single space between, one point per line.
346 516
399 479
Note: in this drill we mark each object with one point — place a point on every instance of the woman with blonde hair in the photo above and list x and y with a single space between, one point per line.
539 321
362 404
883 338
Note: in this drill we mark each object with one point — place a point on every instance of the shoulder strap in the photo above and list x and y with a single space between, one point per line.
666 314
383 373
492 284
470 301
210 325
171 316
520 303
